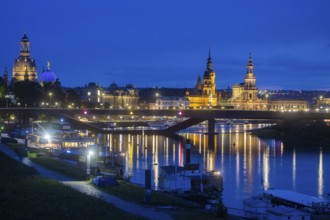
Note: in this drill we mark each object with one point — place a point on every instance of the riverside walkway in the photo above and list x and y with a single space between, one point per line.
85 187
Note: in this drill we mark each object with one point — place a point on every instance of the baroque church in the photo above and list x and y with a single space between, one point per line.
204 94
25 67
245 95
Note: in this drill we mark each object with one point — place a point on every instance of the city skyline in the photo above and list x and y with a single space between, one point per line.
157 44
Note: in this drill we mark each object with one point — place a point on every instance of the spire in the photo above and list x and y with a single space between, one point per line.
209 61
5 75
250 66
250 62
48 65
199 83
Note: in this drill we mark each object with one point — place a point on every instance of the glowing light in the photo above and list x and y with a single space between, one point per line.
90 153
47 136
320 174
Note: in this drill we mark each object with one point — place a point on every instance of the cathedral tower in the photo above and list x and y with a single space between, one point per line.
250 82
250 79
24 66
209 79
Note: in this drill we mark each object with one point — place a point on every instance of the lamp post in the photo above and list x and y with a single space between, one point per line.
50 99
26 143
147 183
88 163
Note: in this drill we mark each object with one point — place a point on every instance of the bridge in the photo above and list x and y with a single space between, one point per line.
186 113
191 117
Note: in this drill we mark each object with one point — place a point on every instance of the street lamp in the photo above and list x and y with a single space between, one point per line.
50 99
147 183
88 162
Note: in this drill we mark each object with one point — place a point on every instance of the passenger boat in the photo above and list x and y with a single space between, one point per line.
284 204
189 178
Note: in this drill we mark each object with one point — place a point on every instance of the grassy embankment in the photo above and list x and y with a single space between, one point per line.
125 190
25 195
300 133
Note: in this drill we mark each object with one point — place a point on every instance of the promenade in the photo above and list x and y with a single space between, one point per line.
85 187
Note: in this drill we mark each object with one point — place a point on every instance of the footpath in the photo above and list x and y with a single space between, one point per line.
85 187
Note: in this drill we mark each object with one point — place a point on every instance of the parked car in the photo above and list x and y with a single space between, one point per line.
103 181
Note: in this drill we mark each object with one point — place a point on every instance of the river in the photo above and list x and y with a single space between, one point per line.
248 164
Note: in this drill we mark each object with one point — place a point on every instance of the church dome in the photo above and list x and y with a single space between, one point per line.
48 76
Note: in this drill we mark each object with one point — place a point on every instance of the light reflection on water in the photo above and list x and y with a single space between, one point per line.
247 163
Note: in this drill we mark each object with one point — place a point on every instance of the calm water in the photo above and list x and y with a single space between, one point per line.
247 163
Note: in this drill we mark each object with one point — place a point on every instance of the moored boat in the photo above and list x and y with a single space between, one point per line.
285 204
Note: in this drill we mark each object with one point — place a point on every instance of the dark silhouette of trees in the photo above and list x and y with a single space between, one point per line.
28 93
53 94
3 90
71 96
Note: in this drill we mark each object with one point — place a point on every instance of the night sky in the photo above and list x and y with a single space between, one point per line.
165 43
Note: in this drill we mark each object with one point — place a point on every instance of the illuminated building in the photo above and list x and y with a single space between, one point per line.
48 76
245 95
322 103
172 102
287 105
121 97
24 67
204 94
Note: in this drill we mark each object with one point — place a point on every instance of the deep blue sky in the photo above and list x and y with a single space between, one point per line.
165 43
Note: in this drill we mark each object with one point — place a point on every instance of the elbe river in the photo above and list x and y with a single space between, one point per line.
248 164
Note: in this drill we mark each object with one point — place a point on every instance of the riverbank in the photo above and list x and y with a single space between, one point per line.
297 133
175 207
26 195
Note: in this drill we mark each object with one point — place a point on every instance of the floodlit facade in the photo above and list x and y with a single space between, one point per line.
245 95
172 102
25 67
287 105
204 94
121 97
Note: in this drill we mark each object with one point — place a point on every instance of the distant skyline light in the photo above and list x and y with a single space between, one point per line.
165 43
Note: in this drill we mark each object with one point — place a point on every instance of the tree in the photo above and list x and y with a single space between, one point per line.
28 93
3 89
53 89
71 96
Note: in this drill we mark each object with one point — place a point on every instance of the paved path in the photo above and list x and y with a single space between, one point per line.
85 187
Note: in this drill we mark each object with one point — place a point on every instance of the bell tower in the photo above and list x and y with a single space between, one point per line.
209 79
250 79
251 91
